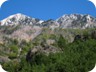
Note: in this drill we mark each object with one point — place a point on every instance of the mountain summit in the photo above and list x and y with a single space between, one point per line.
77 21
20 19
73 21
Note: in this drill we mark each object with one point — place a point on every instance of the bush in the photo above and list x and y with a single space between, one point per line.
61 42
79 56
12 55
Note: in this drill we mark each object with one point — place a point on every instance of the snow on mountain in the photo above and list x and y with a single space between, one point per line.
20 19
66 21
76 21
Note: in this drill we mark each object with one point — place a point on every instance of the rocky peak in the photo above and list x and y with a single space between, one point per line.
76 21
19 19
73 21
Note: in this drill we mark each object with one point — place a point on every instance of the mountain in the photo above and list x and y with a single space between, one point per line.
20 19
73 21
77 21
22 27
52 24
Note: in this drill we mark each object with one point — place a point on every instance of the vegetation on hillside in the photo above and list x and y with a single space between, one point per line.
76 56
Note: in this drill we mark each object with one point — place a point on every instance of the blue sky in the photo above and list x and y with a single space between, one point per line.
47 9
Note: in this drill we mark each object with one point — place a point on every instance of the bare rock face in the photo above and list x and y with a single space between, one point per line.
76 21
18 19
26 33
22 27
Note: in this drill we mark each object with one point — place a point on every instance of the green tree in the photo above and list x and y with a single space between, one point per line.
61 42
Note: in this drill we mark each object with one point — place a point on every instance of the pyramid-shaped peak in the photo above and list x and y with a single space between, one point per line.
19 19
18 16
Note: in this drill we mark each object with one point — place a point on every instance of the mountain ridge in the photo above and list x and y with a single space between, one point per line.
18 19
65 21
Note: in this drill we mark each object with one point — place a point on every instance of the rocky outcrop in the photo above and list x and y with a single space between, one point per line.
76 21
73 21
18 19
26 33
